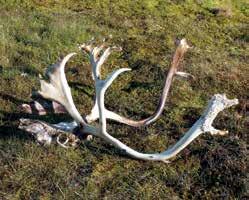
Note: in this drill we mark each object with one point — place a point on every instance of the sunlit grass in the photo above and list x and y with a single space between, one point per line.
34 34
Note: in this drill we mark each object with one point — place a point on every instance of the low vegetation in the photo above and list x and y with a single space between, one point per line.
34 34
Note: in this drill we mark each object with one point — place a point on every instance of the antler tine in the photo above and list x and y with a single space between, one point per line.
96 60
57 89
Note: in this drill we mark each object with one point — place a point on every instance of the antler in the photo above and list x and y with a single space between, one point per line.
58 90
204 124
96 64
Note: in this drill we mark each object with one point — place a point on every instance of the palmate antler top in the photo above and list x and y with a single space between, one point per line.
57 89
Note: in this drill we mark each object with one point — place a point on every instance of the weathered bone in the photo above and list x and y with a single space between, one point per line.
44 132
96 63
42 107
203 125
58 90
179 53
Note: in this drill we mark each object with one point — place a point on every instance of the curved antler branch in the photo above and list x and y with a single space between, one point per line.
178 56
202 125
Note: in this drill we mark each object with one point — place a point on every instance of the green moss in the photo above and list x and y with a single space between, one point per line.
34 34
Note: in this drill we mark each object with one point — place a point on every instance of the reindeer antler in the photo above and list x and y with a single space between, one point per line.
94 53
58 90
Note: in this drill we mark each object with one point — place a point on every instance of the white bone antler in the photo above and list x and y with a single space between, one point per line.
58 90
204 124
95 61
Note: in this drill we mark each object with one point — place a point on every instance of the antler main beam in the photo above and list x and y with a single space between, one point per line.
57 89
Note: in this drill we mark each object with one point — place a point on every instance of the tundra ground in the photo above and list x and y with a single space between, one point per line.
34 34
